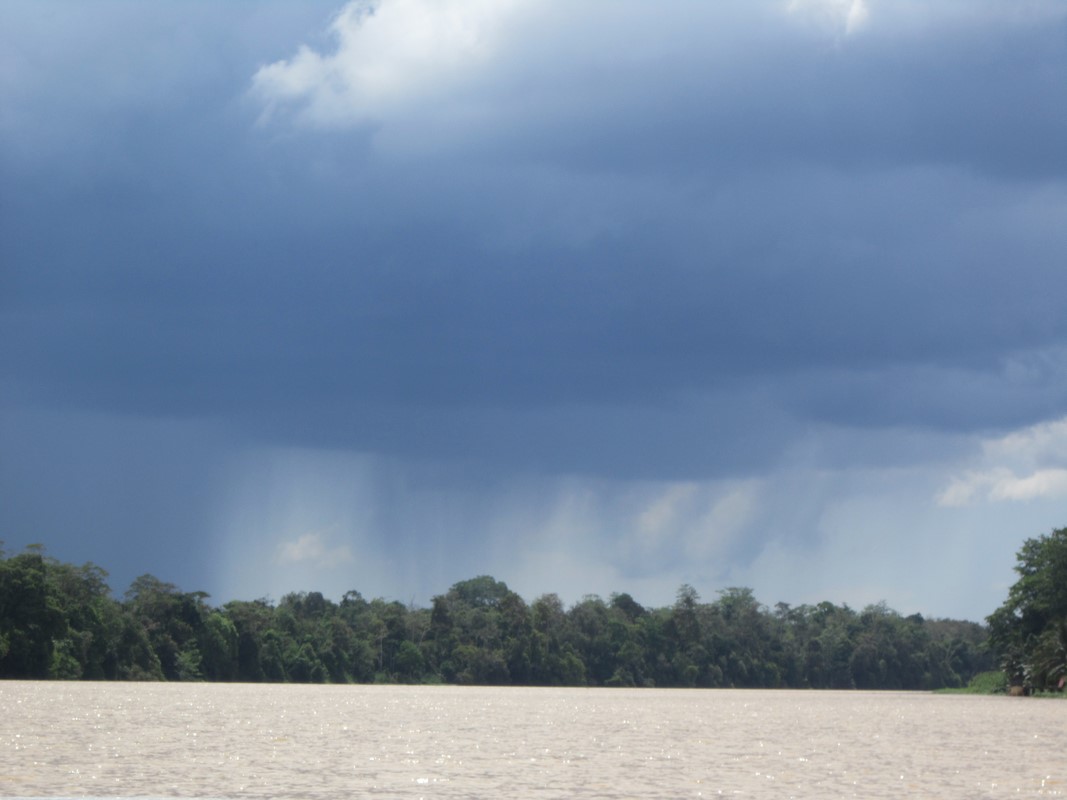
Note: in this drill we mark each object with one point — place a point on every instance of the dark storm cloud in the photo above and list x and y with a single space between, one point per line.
707 252
383 332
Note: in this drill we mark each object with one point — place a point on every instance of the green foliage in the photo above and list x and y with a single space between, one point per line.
30 619
218 645
1029 630
991 682
61 621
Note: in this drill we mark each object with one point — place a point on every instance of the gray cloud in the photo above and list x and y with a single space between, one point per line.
646 248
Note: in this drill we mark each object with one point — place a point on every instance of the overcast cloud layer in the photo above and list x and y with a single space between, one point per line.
591 297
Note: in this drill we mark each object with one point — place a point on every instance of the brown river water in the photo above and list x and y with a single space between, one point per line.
159 740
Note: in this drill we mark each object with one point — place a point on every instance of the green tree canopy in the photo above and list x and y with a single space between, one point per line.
1030 629
61 621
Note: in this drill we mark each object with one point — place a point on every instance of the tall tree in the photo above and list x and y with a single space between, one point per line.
30 617
1030 629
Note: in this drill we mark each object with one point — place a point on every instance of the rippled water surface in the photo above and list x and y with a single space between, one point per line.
231 741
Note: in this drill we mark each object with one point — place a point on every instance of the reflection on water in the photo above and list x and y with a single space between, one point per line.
216 740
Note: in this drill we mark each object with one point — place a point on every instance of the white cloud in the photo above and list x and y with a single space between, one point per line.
313 548
1027 464
388 53
961 491
857 16
1043 483
844 15
1034 444
690 528
723 523
654 523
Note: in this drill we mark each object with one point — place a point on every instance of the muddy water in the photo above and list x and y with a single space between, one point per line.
245 741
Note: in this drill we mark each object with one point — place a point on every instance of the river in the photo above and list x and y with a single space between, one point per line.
60 739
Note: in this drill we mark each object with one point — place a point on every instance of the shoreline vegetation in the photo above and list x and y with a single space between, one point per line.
997 682
990 682
61 621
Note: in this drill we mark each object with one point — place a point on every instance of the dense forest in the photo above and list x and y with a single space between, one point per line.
61 621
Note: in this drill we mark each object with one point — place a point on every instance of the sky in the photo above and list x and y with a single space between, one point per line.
591 297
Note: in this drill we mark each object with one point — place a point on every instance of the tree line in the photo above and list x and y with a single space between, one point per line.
61 621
